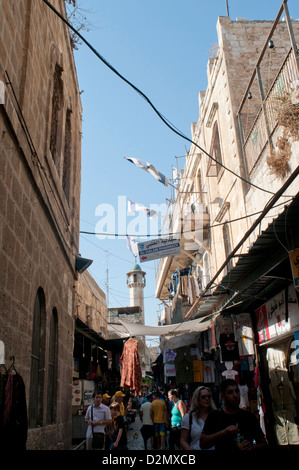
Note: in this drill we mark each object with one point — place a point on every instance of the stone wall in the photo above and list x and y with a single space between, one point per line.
40 202
91 305
240 45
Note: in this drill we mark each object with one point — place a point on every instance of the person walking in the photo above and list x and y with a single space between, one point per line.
158 415
232 428
120 434
97 417
147 429
106 399
193 422
178 411
118 397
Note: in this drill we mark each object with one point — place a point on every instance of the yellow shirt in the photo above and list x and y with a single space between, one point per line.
158 407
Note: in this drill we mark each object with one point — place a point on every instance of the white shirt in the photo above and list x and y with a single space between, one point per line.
146 413
196 430
100 413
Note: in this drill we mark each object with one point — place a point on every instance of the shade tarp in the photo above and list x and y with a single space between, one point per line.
178 341
125 328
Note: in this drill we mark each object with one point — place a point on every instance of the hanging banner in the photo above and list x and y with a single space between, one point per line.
278 316
159 248
294 258
272 318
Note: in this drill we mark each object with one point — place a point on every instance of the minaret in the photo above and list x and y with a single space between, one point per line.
136 283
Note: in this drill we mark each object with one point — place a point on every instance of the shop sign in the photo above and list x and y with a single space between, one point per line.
159 248
275 318
294 258
169 370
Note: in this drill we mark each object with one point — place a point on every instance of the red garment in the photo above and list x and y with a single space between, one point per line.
15 422
131 369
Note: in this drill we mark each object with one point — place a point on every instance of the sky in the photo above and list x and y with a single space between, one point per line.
162 47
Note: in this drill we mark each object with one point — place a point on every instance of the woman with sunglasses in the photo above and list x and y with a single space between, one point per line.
193 422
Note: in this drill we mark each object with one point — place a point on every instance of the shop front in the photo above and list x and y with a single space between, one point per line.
226 349
96 368
278 346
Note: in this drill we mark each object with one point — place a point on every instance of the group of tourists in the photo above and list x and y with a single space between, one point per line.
107 422
202 426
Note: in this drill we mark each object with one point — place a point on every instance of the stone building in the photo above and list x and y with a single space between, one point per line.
40 170
237 208
255 64
91 305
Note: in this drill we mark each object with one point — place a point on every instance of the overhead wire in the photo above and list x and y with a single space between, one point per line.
183 231
144 96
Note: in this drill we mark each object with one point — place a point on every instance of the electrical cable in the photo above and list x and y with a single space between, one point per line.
143 95
182 232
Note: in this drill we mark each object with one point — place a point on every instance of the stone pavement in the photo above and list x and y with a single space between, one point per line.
134 436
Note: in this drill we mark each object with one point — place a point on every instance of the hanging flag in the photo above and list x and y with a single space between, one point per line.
136 207
150 169
132 245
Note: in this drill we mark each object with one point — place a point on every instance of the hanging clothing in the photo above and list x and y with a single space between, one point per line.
230 374
184 365
209 372
276 358
244 333
224 326
131 369
15 422
229 348
198 367
244 401
284 407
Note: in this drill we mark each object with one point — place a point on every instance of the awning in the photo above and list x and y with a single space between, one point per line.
108 344
260 273
180 334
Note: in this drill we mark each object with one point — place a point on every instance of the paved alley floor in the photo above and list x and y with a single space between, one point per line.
135 439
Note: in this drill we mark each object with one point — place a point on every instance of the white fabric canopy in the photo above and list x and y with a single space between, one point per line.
178 334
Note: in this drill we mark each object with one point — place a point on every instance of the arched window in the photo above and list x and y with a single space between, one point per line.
56 117
227 247
215 150
37 375
52 368
66 175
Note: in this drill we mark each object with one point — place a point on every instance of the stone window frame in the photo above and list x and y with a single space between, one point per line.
52 368
37 369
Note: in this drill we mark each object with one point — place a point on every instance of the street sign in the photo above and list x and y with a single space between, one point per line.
159 248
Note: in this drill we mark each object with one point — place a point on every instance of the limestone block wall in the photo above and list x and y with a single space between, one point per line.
39 217
240 44
91 305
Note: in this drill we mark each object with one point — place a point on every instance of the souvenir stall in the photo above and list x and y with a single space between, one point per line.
278 335
96 368
225 349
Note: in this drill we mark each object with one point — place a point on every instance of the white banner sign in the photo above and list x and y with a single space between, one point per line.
159 248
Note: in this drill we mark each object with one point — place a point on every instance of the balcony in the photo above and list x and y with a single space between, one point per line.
190 224
273 78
